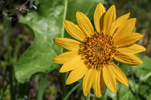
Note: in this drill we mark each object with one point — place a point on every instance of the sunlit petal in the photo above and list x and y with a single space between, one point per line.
88 81
135 48
98 83
128 58
125 29
65 57
119 22
68 44
98 17
109 78
128 40
72 64
109 17
76 74
84 23
119 75
74 30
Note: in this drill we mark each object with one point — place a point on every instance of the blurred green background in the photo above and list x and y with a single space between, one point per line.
27 70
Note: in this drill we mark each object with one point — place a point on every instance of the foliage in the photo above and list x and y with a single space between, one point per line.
139 79
46 24
36 63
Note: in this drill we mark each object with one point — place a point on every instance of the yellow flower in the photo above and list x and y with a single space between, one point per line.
93 56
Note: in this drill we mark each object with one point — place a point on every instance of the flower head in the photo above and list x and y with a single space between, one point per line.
92 57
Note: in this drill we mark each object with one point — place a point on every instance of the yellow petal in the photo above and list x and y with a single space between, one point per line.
76 74
98 17
118 22
119 75
109 17
109 78
127 58
98 84
68 44
72 64
129 40
135 48
74 30
88 81
114 13
65 57
84 23
125 29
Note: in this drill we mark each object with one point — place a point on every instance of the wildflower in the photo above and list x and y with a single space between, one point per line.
92 57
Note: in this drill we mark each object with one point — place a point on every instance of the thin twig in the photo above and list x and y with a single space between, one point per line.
1 1
18 9
3 91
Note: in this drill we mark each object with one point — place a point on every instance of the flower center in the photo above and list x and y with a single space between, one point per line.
97 50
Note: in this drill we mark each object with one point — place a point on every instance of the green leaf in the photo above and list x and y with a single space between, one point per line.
139 79
47 23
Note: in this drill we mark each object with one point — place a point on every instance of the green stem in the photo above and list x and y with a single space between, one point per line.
42 86
71 91
11 74
63 78
104 93
7 34
88 97
12 91
11 83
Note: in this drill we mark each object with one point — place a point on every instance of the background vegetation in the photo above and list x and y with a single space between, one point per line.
27 70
